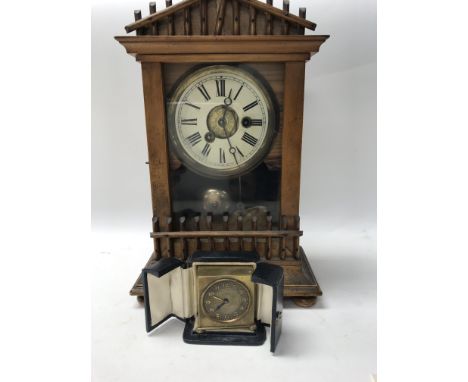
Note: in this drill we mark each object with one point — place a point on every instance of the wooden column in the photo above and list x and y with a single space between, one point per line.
292 135
155 111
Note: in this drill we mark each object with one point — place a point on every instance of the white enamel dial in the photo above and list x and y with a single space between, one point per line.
221 121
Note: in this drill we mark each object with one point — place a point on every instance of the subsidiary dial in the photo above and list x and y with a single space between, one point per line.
221 121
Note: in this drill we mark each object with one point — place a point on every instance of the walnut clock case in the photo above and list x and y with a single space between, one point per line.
223 84
225 298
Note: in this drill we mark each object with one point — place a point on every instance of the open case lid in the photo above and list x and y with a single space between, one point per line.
270 279
166 284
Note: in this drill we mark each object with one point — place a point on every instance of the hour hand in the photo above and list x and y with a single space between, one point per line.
225 301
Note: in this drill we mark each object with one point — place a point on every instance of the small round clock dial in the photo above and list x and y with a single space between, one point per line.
226 300
221 121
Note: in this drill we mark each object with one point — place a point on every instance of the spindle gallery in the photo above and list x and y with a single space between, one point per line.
223 84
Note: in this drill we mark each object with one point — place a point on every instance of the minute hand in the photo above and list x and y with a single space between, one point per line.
227 102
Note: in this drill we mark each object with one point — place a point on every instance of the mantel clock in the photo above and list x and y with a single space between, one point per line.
223 84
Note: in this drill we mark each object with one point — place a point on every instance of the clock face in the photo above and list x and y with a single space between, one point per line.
221 121
226 300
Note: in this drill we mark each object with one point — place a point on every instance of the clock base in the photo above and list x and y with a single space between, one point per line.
300 283
223 338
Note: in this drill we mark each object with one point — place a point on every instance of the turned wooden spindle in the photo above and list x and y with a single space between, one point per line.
269 219
152 9
187 22
170 20
302 14
254 228
209 226
284 226
220 17
169 250
203 17
196 219
183 242
157 245
285 24
240 228
297 226
137 14
235 18
226 228
268 20
253 21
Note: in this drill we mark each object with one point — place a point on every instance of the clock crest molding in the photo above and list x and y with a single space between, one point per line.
180 37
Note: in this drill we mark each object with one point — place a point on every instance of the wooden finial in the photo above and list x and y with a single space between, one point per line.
220 16
268 21
209 226
154 27
170 20
137 14
187 22
183 241
302 15
235 17
253 21
240 228
283 225
203 17
197 228
286 12
226 228
169 250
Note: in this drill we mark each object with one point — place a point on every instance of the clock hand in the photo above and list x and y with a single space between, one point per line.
225 301
227 102
218 298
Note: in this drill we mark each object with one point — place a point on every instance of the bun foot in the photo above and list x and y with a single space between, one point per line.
305 302
140 299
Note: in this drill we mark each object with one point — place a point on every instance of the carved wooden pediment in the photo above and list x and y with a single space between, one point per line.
220 17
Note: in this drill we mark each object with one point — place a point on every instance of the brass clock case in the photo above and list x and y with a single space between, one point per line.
226 297
221 112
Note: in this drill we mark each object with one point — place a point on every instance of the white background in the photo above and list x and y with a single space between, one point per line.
336 340
45 193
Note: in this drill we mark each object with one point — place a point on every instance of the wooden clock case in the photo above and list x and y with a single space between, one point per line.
271 41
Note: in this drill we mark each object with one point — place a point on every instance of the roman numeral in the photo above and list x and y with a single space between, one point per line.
206 150
204 92
252 141
240 152
237 94
256 122
221 88
222 156
192 105
250 105
194 138
189 121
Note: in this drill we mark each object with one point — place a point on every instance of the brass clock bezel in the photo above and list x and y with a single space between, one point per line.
202 298
261 152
